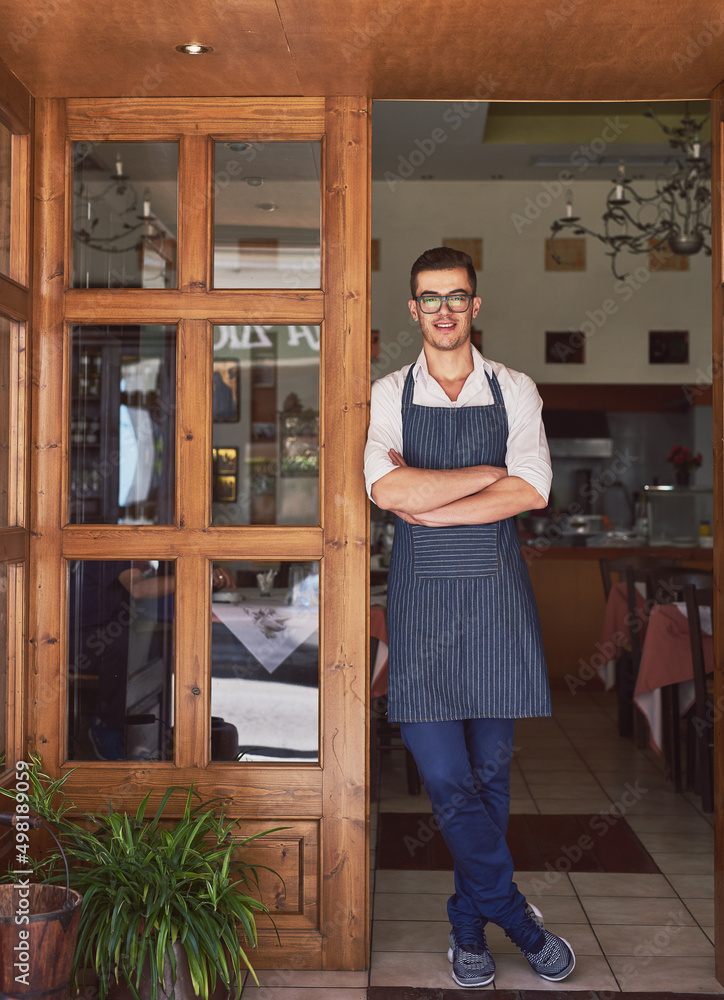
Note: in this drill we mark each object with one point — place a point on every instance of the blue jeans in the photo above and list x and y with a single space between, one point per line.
465 765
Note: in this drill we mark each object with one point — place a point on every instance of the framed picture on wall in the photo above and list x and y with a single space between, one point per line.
226 461
225 489
225 391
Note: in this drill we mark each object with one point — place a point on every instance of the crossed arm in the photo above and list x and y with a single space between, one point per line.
478 494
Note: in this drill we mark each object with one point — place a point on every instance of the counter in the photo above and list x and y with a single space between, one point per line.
569 591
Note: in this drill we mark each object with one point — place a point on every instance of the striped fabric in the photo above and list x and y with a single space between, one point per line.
465 638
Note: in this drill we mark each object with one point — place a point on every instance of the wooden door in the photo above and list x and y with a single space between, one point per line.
16 115
322 918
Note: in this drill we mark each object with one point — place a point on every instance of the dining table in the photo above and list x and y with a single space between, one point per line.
666 663
666 667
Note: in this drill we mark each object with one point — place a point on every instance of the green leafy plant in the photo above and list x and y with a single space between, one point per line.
149 883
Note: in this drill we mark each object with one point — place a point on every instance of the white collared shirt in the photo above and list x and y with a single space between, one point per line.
527 452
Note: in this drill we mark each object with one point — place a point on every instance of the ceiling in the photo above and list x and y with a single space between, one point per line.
519 50
458 141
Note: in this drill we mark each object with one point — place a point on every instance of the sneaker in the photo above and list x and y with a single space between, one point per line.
470 968
555 960
107 743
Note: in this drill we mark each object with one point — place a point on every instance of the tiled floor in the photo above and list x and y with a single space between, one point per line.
640 932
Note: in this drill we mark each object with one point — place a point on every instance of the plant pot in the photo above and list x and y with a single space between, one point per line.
183 990
224 739
45 957
683 478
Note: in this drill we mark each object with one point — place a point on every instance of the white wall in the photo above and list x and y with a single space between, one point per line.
520 299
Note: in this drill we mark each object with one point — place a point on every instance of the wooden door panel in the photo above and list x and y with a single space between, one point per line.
321 854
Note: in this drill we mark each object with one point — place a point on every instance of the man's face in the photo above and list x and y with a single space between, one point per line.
444 330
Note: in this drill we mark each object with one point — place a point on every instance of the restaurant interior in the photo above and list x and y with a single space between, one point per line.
610 556
611 817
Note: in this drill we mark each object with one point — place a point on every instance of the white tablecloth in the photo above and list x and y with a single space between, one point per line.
270 629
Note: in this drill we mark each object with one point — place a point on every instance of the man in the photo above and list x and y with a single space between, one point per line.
456 449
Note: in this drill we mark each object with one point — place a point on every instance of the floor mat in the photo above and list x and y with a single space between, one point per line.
566 842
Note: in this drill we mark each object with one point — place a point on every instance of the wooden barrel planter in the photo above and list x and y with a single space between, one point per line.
36 955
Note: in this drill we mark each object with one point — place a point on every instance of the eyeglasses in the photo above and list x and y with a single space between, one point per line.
457 302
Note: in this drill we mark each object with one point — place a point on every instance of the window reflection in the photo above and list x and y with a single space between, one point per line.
123 402
6 147
266 425
124 214
267 211
120 660
265 661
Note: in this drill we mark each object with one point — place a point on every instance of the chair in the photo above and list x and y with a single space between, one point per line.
636 622
626 668
667 585
700 732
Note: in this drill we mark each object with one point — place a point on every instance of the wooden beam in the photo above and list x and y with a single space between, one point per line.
136 305
272 542
46 658
163 118
345 364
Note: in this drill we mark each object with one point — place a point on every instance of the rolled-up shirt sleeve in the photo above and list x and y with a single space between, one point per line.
527 455
385 430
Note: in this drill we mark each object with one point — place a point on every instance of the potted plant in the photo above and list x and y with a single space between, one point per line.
684 463
161 898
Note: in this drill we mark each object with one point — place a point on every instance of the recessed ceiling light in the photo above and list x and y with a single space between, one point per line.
255 182
267 206
194 49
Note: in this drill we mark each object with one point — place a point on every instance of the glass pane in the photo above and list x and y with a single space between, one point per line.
122 424
6 147
125 206
266 425
120 660
267 211
11 444
265 661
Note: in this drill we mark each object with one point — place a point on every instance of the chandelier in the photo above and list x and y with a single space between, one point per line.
676 217
116 219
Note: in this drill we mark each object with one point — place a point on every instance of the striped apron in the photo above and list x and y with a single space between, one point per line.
465 638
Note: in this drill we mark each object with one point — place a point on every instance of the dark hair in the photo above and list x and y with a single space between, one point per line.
442 259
